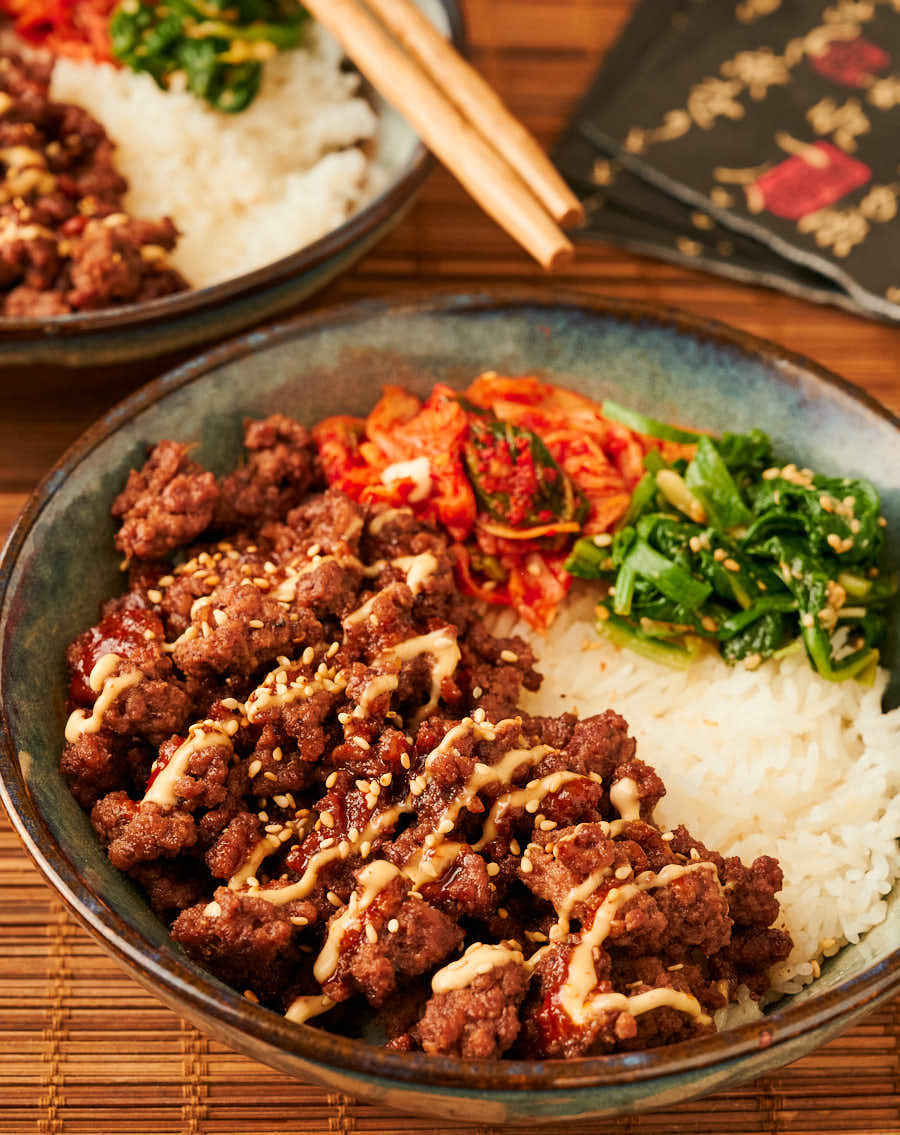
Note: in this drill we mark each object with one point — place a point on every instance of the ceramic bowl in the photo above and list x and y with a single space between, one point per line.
173 323
59 563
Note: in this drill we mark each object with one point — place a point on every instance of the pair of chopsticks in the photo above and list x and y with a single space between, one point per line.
460 119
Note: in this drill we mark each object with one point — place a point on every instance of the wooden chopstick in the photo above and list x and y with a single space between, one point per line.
480 169
480 103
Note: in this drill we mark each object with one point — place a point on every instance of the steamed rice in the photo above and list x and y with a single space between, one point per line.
244 189
774 761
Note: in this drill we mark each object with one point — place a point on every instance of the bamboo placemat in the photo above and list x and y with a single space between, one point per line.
84 1049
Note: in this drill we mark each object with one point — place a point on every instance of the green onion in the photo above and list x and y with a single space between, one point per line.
621 633
674 582
650 427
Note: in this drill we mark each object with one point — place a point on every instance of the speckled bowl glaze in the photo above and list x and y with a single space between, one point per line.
59 563
205 315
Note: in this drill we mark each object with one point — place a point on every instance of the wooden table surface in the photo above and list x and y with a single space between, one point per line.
59 995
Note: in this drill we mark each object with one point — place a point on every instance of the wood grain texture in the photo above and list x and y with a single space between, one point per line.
82 1048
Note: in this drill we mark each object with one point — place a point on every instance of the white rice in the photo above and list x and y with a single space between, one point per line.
773 761
244 189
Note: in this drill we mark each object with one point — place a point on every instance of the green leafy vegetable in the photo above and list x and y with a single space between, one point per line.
219 48
650 427
783 560
708 478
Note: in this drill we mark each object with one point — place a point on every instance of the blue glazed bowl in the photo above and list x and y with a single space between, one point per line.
59 563
188 319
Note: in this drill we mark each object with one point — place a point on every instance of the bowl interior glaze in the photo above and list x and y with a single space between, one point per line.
59 564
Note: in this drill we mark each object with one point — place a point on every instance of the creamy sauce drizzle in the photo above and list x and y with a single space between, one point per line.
252 863
442 646
575 993
477 960
341 850
372 879
378 522
108 689
200 735
625 798
419 569
537 790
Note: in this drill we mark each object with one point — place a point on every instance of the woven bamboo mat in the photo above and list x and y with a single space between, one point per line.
84 1049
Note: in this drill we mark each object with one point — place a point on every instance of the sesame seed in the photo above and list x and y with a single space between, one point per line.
371 933
509 656
393 926
405 761
308 656
254 768
330 779
668 836
364 848
281 801
503 912
547 825
251 996
514 847
493 868
270 776
527 865
154 596
263 816
257 624
334 899
299 920
623 872
532 806
327 819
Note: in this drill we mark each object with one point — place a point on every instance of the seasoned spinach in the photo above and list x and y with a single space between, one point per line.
218 47
757 557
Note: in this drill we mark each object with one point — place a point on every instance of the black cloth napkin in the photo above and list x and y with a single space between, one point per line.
756 138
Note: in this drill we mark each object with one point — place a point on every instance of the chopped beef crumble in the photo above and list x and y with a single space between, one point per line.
66 242
295 734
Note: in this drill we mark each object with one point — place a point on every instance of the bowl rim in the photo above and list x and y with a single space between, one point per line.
182 983
330 245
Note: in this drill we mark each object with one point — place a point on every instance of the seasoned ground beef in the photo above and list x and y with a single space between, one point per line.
305 745
66 243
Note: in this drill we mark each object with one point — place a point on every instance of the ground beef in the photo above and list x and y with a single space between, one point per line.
479 1022
280 468
169 502
67 244
338 706
408 937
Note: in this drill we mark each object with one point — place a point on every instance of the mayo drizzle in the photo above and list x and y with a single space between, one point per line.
200 735
624 797
477 960
108 689
441 644
575 993
537 790
372 879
